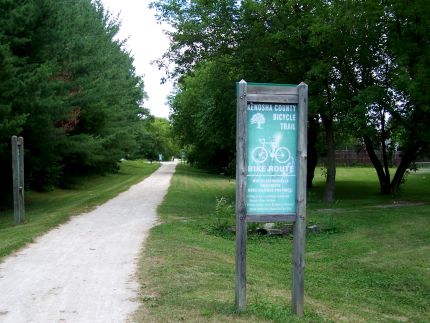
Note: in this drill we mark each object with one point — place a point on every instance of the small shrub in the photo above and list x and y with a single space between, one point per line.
224 212
224 218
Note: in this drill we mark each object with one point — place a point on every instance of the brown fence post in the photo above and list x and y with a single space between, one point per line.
18 179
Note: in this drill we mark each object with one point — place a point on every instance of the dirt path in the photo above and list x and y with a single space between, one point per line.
84 270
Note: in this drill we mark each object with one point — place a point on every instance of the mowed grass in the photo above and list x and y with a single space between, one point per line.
44 211
371 264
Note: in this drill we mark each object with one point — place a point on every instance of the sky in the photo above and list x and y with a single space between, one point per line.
147 42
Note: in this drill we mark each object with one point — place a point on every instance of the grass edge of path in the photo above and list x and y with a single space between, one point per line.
47 210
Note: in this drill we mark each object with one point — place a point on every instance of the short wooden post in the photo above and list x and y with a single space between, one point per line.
300 223
18 179
240 291
21 180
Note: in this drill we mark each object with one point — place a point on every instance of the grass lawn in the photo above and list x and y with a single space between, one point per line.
370 263
44 211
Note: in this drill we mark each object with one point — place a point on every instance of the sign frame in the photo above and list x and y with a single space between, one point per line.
271 94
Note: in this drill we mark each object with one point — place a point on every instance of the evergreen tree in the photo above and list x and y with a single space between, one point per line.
68 86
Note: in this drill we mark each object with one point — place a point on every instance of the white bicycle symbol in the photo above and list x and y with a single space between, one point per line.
261 153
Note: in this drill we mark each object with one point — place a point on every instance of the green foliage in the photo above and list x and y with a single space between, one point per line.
155 137
224 214
194 21
366 63
203 115
68 86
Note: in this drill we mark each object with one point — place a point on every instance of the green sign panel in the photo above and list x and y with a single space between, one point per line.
271 161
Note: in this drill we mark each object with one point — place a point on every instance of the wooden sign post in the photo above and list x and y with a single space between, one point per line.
271 147
18 179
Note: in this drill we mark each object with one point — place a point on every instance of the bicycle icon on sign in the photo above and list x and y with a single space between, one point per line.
270 149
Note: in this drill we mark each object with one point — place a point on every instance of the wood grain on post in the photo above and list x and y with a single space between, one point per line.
290 98
21 180
240 292
15 179
271 89
18 179
300 224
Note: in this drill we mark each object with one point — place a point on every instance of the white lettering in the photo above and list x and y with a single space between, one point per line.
288 126
260 169
285 108
260 107
284 117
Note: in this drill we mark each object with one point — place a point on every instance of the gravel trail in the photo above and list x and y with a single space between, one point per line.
84 270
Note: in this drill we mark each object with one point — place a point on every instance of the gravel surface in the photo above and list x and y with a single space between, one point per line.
84 271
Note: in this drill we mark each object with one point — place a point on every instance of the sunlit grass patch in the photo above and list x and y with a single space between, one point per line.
373 266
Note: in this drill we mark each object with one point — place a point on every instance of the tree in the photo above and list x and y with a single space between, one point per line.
203 115
155 137
201 30
288 48
68 86
409 44
387 112
362 78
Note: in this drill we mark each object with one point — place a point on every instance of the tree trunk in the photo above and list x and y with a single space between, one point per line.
384 137
387 186
407 158
384 180
312 150
329 193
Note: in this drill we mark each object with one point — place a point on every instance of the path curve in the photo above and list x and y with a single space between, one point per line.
84 271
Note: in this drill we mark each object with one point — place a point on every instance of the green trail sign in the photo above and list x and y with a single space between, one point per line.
271 148
271 160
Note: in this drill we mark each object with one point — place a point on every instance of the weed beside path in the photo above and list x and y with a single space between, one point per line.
44 211
372 265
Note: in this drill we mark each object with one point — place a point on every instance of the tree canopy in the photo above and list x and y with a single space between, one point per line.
155 138
366 64
68 86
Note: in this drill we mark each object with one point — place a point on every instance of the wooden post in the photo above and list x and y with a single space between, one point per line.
240 292
21 180
300 223
18 179
15 179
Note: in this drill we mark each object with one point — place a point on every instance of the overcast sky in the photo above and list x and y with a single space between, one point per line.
147 43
